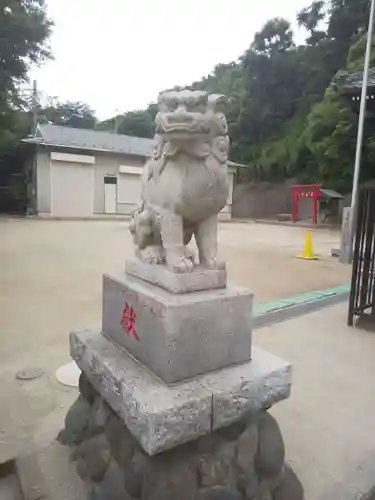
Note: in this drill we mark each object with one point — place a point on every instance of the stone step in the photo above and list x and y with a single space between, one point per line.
48 474
9 483
10 487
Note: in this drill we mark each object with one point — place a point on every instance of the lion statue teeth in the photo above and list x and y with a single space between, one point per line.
185 183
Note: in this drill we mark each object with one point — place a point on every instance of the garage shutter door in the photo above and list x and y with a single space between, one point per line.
129 188
72 189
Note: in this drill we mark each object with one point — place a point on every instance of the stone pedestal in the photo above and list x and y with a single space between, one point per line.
178 336
244 460
162 416
173 399
200 279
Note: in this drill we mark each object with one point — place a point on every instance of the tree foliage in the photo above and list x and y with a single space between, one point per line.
286 119
276 36
24 33
69 114
135 123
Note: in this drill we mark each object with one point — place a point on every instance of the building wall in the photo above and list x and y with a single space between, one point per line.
107 165
129 188
43 180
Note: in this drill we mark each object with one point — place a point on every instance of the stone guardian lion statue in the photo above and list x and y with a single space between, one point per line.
185 183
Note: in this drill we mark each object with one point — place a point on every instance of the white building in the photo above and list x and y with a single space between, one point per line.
80 173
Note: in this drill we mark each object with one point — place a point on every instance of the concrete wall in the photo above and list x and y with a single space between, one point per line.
266 200
263 199
43 180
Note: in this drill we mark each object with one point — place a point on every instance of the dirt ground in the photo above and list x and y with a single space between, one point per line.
50 283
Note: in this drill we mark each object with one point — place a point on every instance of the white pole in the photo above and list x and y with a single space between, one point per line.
35 107
361 122
115 127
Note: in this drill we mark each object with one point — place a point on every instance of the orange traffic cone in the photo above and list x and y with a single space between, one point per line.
308 251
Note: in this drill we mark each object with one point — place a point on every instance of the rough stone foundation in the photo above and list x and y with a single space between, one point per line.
243 461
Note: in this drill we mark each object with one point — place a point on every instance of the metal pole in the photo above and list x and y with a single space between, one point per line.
34 196
116 125
35 107
361 122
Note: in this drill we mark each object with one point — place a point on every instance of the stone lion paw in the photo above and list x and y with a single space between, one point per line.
154 259
153 255
189 254
181 264
213 263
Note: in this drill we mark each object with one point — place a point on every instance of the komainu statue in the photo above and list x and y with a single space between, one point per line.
185 183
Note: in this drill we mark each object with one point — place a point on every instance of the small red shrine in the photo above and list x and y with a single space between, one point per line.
306 191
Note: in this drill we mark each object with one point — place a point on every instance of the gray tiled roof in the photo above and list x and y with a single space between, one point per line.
92 140
330 193
352 82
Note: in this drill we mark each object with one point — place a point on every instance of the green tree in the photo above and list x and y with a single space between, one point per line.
347 20
134 123
272 86
310 18
138 124
275 36
356 54
24 33
69 114
330 135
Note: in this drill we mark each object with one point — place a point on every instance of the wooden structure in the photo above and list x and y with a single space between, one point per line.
306 191
329 205
324 201
349 85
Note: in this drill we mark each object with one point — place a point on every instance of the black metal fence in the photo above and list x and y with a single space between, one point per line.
362 292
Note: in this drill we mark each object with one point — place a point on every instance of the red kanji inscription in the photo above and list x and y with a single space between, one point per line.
128 321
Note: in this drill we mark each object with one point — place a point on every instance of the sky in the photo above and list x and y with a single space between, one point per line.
117 55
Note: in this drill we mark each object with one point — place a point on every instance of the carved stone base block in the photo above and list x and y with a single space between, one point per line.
178 336
199 279
161 417
243 461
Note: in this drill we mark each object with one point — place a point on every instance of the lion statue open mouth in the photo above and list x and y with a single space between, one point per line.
185 183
